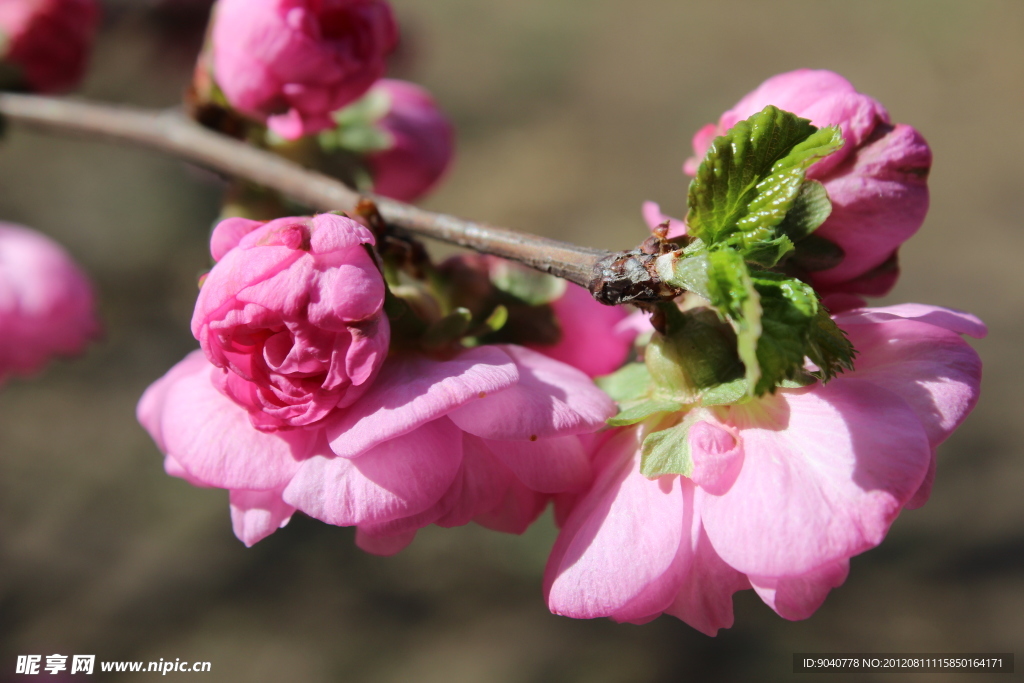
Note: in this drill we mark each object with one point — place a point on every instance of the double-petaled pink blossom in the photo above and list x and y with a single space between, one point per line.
47 41
877 182
487 433
420 142
46 302
292 63
784 489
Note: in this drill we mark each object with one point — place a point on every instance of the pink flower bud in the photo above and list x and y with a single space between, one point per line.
421 142
878 181
46 302
292 314
293 62
48 41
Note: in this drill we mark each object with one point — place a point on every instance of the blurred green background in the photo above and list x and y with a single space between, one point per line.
570 113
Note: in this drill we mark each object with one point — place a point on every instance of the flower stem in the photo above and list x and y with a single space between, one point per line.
172 133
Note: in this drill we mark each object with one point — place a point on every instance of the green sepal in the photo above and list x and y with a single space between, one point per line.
668 451
356 130
751 176
526 284
695 352
631 382
727 393
448 329
638 412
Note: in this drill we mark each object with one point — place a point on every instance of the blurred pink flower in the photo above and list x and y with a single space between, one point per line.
784 489
595 338
878 181
46 302
292 313
294 62
422 142
48 41
487 435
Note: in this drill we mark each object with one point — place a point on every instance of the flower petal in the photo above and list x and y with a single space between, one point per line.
412 390
257 514
826 470
798 597
550 399
403 476
950 319
551 465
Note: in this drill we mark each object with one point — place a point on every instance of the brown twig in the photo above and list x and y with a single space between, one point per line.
170 132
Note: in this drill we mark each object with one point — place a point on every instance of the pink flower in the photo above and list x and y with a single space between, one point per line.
487 435
46 302
783 490
292 314
294 62
878 181
48 41
421 140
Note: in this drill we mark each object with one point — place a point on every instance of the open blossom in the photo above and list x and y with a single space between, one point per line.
294 62
294 402
877 182
46 302
292 314
784 489
48 41
421 142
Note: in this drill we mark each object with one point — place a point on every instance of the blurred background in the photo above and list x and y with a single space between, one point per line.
569 115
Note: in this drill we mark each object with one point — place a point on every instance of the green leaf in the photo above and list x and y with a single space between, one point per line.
733 294
638 412
688 271
789 308
668 451
726 393
528 285
768 253
497 319
631 382
810 208
828 347
752 175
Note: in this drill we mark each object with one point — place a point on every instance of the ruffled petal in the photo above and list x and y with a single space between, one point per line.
413 390
551 465
826 470
550 399
257 514
403 476
798 597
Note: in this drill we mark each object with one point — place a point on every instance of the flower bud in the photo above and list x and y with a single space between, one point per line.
292 63
46 302
877 182
421 142
292 313
47 42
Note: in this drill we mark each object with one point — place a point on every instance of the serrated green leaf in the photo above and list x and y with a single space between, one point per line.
809 210
751 176
668 451
789 308
638 412
828 347
528 285
768 253
631 382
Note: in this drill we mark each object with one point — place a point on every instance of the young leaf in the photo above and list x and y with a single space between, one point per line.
668 451
809 210
752 175
733 294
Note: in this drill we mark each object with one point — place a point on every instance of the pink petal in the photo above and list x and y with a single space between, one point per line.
551 465
935 371
412 390
228 233
211 436
620 542
717 456
381 544
798 597
704 600
481 486
654 217
550 399
950 319
826 470
399 477
257 514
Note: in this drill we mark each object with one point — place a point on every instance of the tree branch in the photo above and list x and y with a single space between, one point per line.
612 277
